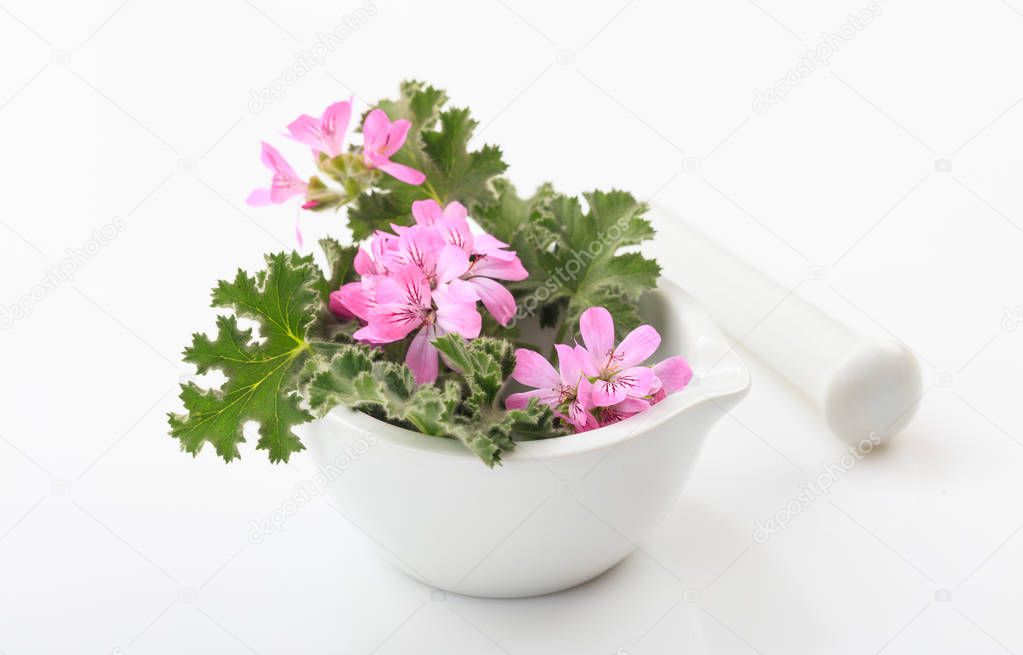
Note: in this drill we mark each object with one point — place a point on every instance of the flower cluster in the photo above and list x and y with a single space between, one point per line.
599 383
370 330
428 277
354 171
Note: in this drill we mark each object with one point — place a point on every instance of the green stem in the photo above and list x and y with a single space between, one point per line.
433 193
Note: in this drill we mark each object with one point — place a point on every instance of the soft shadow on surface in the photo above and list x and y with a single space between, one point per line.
650 592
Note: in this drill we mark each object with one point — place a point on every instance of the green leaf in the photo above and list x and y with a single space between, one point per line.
341 264
483 365
262 375
464 406
573 257
375 210
455 172
524 224
593 273
438 145
354 376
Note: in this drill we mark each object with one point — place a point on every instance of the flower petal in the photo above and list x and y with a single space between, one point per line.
578 416
486 243
674 374
497 299
500 268
455 292
406 174
273 160
598 331
284 187
455 210
364 264
569 365
335 124
636 381
396 134
259 198
368 334
631 406
452 262
374 131
356 298
406 285
422 356
606 393
462 318
533 370
456 232
426 212
306 129
589 363
337 307
637 346
520 400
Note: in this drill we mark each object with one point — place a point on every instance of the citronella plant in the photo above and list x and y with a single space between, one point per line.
393 327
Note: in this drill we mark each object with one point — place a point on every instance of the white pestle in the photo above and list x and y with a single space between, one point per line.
867 387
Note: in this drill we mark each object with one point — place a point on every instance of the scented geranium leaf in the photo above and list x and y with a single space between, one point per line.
523 223
376 210
354 376
455 172
483 364
340 263
438 145
587 265
463 407
493 430
511 214
262 375
534 421
417 102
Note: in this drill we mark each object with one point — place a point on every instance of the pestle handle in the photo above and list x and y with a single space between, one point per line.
866 387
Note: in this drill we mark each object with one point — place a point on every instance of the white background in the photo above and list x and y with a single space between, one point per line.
111 541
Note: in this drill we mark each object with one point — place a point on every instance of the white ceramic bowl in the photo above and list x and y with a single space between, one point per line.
559 511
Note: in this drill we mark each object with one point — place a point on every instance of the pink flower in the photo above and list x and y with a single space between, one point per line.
403 302
488 261
599 384
423 246
285 184
566 390
326 134
673 374
615 368
623 410
670 375
381 139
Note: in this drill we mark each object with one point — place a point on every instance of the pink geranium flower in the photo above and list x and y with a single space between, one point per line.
326 134
671 375
488 259
357 298
381 139
615 369
425 248
599 384
566 390
285 183
404 301
623 410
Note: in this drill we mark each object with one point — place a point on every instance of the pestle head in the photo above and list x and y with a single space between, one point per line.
874 393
